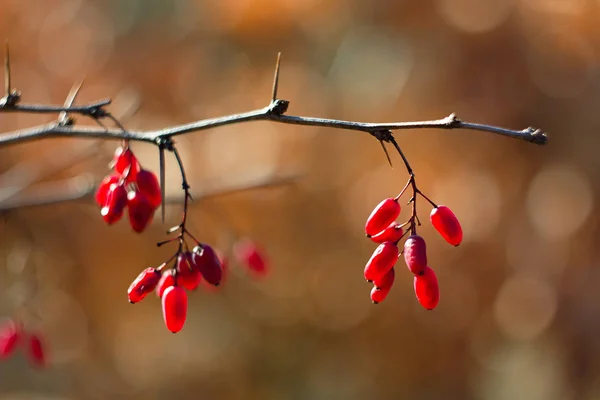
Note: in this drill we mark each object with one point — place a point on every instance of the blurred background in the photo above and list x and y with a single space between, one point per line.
519 314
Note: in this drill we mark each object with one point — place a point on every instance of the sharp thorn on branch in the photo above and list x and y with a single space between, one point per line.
386 153
161 151
64 118
276 78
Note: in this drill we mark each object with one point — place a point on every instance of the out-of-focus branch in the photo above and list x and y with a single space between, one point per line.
82 187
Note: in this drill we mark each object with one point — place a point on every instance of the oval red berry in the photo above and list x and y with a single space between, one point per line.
174 308
446 223
208 264
125 162
248 254
386 281
427 289
382 216
145 282
36 352
140 211
383 259
116 200
379 294
415 254
147 183
392 233
187 276
104 188
166 280
10 335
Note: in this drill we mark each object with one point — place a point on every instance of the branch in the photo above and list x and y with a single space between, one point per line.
80 188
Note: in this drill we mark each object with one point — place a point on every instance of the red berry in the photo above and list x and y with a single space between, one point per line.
140 210
205 260
147 183
174 307
124 160
427 289
224 267
248 254
392 233
446 223
382 216
116 200
36 351
104 188
383 259
10 335
386 281
187 276
166 280
379 294
145 282
415 254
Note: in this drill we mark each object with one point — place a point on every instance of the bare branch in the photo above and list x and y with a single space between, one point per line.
80 188
268 113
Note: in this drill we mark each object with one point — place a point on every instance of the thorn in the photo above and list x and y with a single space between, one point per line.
386 153
7 83
276 78
63 117
162 180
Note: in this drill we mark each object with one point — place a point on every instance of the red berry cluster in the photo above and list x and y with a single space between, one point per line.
201 264
13 335
129 186
381 227
139 190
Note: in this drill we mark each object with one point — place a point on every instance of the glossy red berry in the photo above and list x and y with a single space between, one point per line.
224 261
392 233
427 289
166 280
147 183
379 294
446 223
145 282
207 263
415 254
10 335
247 253
104 187
187 276
386 281
174 307
125 162
140 210
116 200
382 216
36 351
383 259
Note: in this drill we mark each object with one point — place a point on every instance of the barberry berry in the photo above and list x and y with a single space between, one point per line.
427 289
247 253
382 216
10 335
383 259
174 308
116 200
104 188
386 281
446 223
145 282
124 161
187 276
140 210
36 351
147 183
392 233
205 260
415 254
166 280
379 294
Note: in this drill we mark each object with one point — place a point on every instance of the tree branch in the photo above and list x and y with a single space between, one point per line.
269 113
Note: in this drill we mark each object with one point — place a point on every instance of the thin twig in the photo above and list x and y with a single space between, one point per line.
530 134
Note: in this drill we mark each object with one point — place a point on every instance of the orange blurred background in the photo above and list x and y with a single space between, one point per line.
519 308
